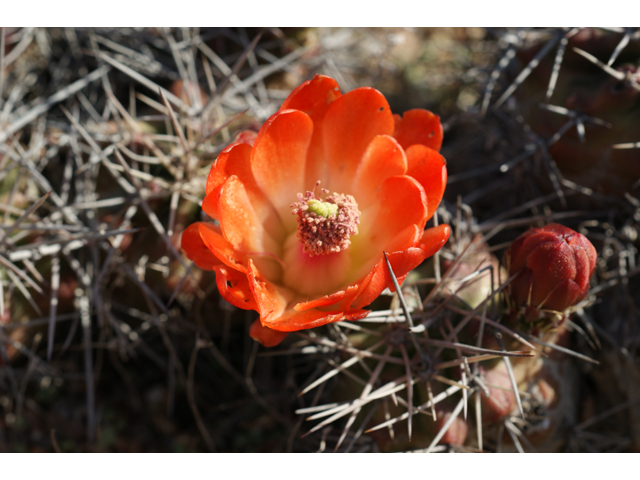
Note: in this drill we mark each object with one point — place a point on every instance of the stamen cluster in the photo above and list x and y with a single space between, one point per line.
325 226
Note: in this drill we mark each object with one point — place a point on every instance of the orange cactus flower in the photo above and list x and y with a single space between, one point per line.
308 205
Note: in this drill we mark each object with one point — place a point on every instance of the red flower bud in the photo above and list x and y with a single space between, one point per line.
553 264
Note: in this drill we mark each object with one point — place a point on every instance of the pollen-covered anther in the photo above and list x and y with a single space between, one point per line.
326 226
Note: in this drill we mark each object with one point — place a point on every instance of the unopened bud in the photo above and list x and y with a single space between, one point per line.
553 265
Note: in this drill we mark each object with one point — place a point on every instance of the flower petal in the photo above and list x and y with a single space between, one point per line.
418 127
580 241
272 305
238 220
233 160
271 299
265 335
234 288
563 294
232 284
402 262
433 239
330 300
383 158
246 136
379 278
291 320
196 250
243 229
210 204
406 238
402 203
521 286
236 160
526 243
355 314
350 124
278 160
213 239
430 169
313 97
583 269
550 263
409 237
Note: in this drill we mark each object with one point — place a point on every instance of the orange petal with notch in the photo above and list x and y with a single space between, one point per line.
313 97
350 124
418 127
430 169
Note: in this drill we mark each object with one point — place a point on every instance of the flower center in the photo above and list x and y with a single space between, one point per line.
325 226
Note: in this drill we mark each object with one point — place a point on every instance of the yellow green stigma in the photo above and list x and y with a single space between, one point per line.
324 209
